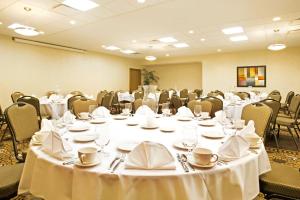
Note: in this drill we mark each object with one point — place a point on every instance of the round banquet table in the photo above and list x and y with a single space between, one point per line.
47 177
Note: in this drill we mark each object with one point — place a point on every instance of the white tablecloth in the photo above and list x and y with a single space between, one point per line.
45 176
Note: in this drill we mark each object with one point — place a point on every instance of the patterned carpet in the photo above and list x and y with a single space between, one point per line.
284 156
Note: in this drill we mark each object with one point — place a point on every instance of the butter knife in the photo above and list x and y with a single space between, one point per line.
185 168
113 162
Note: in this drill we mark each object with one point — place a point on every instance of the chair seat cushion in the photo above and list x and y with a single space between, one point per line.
9 179
284 121
283 105
282 180
283 115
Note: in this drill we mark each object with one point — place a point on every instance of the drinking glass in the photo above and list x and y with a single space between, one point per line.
197 110
128 107
189 137
165 109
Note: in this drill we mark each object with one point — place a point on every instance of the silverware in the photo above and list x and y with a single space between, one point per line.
184 159
118 163
185 168
69 162
114 160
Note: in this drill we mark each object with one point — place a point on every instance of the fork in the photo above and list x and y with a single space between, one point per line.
122 159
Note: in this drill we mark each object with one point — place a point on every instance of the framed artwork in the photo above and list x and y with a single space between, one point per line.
251 76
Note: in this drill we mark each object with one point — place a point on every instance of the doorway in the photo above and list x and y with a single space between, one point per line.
134 79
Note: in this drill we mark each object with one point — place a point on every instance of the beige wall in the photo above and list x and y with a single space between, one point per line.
179 76
35 70
219 70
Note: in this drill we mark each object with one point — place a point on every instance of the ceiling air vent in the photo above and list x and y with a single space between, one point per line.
294 26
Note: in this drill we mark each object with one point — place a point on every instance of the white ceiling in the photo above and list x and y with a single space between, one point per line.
118 22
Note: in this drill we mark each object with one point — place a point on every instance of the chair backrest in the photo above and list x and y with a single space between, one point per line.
192 96
138 95
82 105
49 93
274 92
289 97
198 92
217 104
107 100
275 106
294 105
205 105
137 103
220 93
184 93
175 102
76 92
115 99
72 99
33 101
212 94
276 97
261 114
163 97
100 96
15 96
22 120
243 95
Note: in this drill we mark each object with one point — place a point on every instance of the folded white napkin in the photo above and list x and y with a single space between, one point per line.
41 135
150 155
68 117
54 97
248 130
46 125
184 112
234 147
144 110
57 146
43 99
101 112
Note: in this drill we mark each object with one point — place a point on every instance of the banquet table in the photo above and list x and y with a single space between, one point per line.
47 177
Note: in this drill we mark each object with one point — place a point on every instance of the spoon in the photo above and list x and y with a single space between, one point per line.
184 159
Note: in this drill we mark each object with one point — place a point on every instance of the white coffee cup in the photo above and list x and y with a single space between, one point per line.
84 115
205 114
239 123
204 156
87 155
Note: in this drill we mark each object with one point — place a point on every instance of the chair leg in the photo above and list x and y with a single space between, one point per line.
290 131
296 132
274 134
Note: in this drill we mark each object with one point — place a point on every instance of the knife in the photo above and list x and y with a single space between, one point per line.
185 168
113 162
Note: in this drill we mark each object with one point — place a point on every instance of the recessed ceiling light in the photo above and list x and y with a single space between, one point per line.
233 30
133 41
16 25
1 23
27 31
275 19
181 45
202 39
141 1
219 50
191 31
150 58
167 55
82 5
42 32
111 48
28 9
73 22
167 39
276 47
238 38
127 51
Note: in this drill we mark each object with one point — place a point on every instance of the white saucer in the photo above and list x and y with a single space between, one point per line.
184 118
179 144
120 117
167 129
132 122
192 161
79 164
84 138
98 121
78 128
213 134
203 118
127 146
81 118
207 123
154 126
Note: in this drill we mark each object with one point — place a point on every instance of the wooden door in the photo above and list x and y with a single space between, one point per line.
134 79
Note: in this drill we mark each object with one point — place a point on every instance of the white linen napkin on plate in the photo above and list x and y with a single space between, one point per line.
150 155
68 117
249 129
144 110
184 112
101 112
234 147
57 146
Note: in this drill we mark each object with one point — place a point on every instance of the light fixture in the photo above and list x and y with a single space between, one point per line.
73 22
202 39
181 45
28 9
276 47
81 5
233 30
42 32
167 55
276 19
167 40
141 1
128 51
111 48
27 31
133 41
1 23
219 50
238 38
150 58
191 31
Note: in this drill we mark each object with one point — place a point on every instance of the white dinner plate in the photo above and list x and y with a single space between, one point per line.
213 134
167 129
192 161
98 121
179 118
132 122
78 128
207 123
120 117
127 146
85 137
79 164
145 126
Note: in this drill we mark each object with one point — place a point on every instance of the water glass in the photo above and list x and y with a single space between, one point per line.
189 137
197 110
165 109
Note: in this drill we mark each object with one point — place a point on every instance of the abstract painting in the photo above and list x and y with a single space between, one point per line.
251 76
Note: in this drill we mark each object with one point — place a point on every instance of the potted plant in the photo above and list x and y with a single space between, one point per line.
149 77
150 95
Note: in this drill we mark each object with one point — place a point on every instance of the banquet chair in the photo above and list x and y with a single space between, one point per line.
217 104
175 103
198 92
261 114
33 101
280 183
275 106
23 122
136 104
274 92
206 106
138 95
163 97
76 93
212 94
243 95
100 96
107 100
2 123
83 105
284 106
291 121
15 96
184 93
49 93
71 100
276 97
115 104
192 96
220 93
